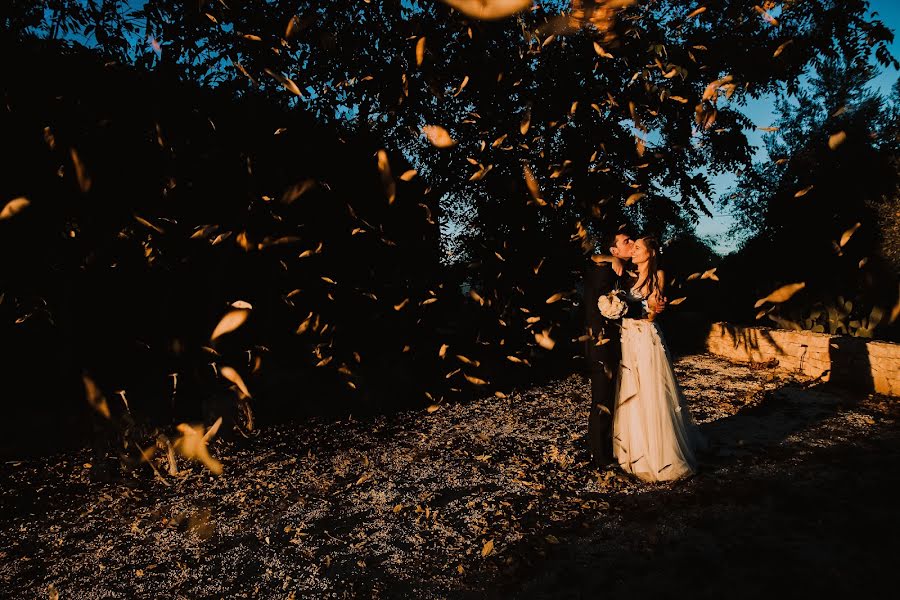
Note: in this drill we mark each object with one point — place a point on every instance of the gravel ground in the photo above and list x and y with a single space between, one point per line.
490 499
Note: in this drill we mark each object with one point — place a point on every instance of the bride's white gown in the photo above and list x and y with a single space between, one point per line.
654 436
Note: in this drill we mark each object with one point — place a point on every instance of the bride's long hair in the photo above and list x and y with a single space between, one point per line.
651 283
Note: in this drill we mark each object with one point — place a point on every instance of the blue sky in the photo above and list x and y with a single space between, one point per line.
716 229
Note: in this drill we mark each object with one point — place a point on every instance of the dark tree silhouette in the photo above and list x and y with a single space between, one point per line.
815 212
179 157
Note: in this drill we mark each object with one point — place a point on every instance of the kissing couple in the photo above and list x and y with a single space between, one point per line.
638 419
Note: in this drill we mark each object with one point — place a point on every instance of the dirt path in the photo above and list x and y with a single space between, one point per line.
797 494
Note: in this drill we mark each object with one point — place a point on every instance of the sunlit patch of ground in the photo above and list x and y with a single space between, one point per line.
494 498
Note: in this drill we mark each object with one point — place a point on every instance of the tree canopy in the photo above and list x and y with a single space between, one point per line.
347 170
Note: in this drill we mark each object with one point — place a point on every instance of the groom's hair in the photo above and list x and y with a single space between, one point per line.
609 240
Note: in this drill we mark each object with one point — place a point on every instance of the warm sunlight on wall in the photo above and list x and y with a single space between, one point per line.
853 362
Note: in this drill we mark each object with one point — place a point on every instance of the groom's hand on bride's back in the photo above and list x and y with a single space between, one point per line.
656 303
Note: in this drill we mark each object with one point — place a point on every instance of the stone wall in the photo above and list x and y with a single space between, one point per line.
853 362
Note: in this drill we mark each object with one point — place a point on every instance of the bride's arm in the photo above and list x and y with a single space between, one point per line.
618 264
657 300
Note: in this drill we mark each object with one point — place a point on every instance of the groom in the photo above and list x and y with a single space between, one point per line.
603 349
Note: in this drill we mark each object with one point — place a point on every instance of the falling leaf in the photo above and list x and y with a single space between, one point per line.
84 180
677 301
526 123
769 129
231 375
408 175
765 15
438 136
13 207
420 51
782 294
836 139
432 408
695 12
231 321
384 168
252 38
554 298
443 350
297 190
634 198
781 48
640 145
532 185
711 90
480 173
544 340
599 50
487 548
467 360
147 223
95 397
214 428
474 380
402 304
848 234
710 274
287 82
292 26
804 191
193 447
487 10
465 81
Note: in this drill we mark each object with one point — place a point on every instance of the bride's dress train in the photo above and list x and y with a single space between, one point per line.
654 436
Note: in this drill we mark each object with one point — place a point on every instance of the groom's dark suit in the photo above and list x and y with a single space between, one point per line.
603 360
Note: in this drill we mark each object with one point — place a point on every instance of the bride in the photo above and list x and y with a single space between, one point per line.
654 436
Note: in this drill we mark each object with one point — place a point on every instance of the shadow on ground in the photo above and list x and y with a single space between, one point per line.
494 498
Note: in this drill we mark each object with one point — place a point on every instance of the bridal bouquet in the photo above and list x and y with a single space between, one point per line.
612 305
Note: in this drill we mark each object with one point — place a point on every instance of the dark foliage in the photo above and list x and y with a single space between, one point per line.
170 173
823 209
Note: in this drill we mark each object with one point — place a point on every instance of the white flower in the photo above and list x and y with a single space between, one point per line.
612 306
